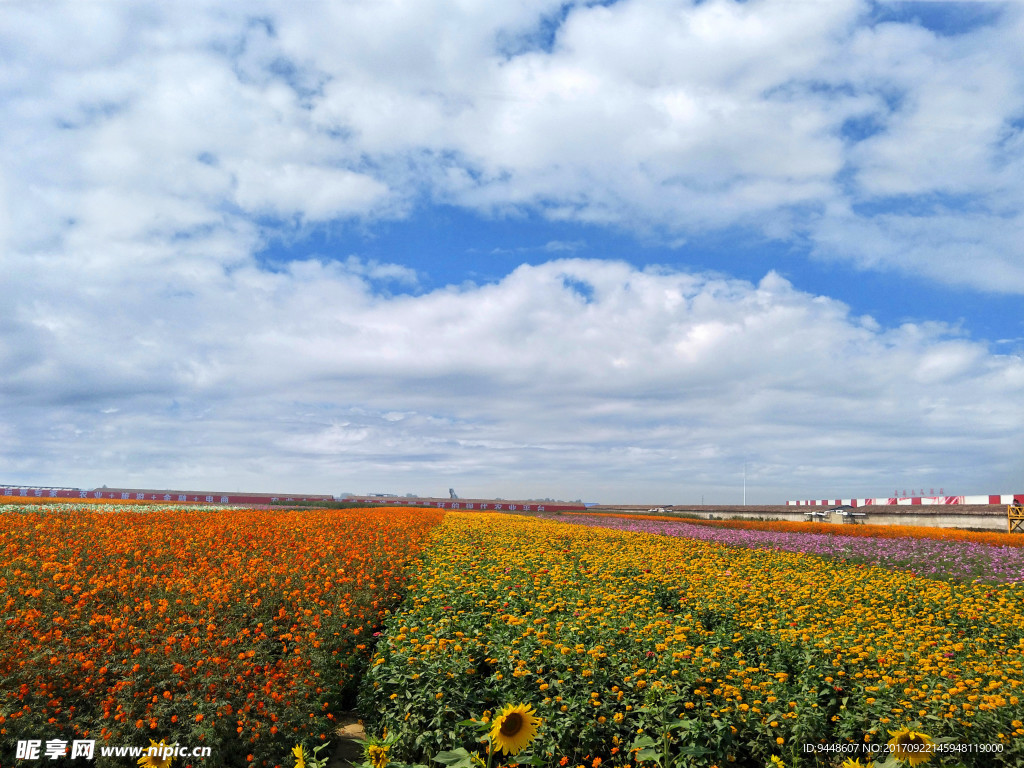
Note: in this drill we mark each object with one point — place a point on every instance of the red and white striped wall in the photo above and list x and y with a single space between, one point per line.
992 498
139 494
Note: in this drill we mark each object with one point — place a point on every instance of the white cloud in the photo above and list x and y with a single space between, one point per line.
659 383
314 194
374 270
794 119
977 249
5 218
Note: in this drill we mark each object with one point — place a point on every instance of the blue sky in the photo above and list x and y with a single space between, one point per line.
613 251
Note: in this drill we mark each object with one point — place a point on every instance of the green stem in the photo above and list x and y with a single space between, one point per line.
664 737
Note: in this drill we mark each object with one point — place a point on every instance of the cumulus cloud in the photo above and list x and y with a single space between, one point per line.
651 379
809 122
315 194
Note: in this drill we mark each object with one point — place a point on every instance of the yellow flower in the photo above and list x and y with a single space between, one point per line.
513 728
856 763
776 762
911 746
378 755
300 757
157 760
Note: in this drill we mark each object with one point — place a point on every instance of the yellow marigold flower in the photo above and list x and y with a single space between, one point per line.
911 746
514 728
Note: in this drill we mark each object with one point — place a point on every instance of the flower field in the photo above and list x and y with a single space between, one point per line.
989 557
586 644
863 530
742 655
242 630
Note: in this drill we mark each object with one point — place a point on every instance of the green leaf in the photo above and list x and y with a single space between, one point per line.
696 751
458 758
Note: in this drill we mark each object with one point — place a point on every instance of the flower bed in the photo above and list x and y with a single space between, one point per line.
866 530
239 630
943 558
740 654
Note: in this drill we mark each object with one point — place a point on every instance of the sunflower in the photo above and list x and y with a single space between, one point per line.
378 755
513 728
155 760
299 755
856 763
913 747
776 762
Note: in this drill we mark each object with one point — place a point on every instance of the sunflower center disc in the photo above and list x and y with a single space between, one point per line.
511 724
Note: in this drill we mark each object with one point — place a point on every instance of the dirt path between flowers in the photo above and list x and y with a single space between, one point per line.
347 753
